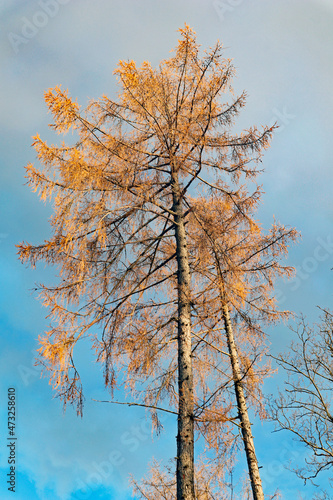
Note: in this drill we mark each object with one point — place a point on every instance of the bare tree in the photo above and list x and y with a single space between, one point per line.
305 407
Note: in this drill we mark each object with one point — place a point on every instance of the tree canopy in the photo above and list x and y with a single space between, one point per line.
154 235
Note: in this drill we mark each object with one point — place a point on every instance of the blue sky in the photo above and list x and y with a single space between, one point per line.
283 53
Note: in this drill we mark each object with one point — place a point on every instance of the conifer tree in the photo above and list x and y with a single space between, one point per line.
243 264
155 242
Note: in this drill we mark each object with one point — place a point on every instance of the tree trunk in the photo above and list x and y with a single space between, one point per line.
185 435
251 458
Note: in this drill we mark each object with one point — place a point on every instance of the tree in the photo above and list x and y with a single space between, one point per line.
241 264
305 406
140 269
160 483
235 264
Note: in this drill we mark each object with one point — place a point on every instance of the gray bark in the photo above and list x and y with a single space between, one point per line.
251 458
185 436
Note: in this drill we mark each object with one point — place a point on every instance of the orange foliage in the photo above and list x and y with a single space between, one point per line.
113 234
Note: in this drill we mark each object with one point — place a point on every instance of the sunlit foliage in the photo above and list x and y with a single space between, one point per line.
115 245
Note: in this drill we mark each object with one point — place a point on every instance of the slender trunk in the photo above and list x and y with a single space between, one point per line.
185 435
251 458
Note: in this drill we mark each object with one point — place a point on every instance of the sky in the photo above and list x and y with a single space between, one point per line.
283 53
